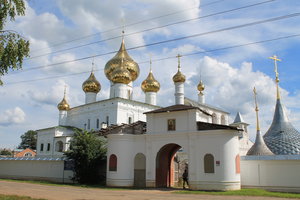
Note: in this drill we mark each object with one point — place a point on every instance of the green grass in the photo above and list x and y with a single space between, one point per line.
244 192
15 197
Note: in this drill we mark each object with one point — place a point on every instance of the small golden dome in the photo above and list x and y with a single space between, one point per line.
179 77
63 105
91 84
121 74
150 84
201 87
115 63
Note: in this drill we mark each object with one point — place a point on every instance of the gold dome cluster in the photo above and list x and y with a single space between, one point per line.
201 87
63 105
91 84
112 67
179 77
150 84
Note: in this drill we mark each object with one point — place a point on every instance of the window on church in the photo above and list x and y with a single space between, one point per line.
97 123
223 120
89 124
107 120
171 124
209 163
214 118
59 146
129 95
28 154
48 147
42 147
238 164
113 162
129 120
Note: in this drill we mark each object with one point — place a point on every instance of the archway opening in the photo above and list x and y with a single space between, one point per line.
164 165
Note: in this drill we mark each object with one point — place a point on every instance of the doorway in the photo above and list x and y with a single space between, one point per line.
164 165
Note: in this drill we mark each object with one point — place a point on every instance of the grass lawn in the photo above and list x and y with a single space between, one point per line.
244 192
15 197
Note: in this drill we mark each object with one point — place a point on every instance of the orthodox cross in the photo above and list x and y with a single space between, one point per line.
256 109
276 73
178 56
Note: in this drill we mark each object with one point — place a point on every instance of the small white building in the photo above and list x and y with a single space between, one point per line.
145 159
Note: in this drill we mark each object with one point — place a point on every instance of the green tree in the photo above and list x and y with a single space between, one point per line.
89 154
5 152
13 47
28 140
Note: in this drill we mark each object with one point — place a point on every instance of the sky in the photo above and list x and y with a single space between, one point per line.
219 52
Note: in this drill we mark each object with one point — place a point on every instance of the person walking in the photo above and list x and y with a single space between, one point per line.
185 177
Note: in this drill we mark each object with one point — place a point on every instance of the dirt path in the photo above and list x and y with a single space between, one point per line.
77 193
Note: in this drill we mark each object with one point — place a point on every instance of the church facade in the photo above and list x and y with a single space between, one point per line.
143 138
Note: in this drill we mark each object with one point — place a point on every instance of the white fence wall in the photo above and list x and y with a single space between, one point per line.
280 173
35 169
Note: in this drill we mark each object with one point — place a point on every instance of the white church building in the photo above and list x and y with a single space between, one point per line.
143 138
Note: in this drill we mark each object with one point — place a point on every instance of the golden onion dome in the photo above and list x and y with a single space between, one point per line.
63 105
121 74
115 63
201 87
150 84
179 77
91 84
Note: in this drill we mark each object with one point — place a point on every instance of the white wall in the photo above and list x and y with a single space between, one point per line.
223 144
272 172
35 170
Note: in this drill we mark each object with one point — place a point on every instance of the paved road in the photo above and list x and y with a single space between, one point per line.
77 193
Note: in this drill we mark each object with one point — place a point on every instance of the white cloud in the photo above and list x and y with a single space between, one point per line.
50 96
12 116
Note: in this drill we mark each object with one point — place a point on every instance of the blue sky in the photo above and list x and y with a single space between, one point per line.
229 75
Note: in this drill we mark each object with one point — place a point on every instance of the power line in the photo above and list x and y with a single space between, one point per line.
167 41
131 24
153 28
166 58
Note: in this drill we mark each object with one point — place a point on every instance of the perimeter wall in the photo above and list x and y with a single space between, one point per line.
35 169
279 172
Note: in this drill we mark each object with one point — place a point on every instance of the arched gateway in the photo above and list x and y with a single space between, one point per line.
164 165
145 151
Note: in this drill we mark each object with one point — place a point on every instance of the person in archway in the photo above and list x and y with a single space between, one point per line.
185 178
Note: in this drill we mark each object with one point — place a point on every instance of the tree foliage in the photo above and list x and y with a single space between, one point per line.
6 152
13 47
28 140
89 154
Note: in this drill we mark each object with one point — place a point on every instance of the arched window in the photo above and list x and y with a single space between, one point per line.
129 120
209 164
214 118
113 162
59 146
89 124
42 147
107 120
223 120
97 123
238 164
28 154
